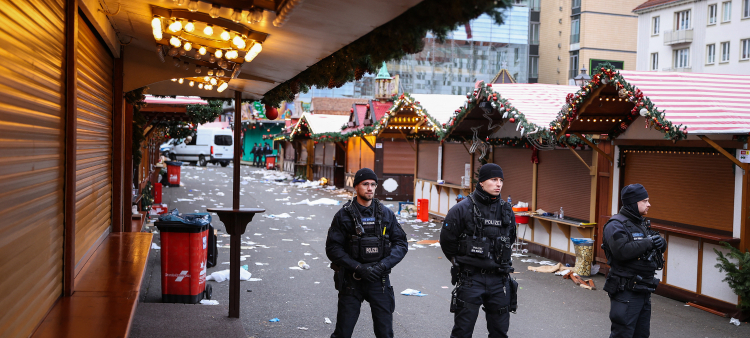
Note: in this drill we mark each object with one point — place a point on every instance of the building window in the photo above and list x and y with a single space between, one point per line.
726 11
725 51
711 54
534 34
654 61
536 5
682 20
573 64
575 30
745 9
712 14
745 51
576 4
533 67
655 25
682 58
516 55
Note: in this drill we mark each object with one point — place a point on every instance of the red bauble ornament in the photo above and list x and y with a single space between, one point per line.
271 112
567 135
512 120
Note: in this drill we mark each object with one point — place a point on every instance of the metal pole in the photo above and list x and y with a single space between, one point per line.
234 250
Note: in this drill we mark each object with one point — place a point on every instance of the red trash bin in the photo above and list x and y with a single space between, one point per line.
184 249
173 173
157 193
270 162
423 209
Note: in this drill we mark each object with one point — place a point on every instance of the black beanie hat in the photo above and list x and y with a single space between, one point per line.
490 170
363 175
633 193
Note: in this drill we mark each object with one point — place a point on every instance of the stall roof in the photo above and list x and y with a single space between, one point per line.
320 123
705 103
441 107
539 103
357 116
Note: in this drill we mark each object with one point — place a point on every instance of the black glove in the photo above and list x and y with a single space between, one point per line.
362 271
376 271
659 242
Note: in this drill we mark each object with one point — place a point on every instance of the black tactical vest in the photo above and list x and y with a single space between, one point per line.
370 242
491 237
636 266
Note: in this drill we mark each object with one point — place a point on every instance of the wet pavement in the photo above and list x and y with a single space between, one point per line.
549 306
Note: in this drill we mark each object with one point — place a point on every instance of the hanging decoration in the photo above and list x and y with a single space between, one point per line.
607 75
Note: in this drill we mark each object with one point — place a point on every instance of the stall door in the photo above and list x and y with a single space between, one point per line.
94 154
517 171
563 181
32 143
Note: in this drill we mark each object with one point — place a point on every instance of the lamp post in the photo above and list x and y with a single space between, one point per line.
582 78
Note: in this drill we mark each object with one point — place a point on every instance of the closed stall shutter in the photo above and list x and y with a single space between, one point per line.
330 153
302 159
398 158
32 154
565 182
352 155
94 154
319 153
518 172
455 158
684 188
289 151
428 161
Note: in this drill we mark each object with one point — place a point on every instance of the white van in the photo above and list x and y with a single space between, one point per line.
209 145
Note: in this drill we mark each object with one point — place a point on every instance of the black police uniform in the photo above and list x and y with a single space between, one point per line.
482 256
351 248
630 282
255 155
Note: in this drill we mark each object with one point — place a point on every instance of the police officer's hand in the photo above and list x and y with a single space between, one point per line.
376 271
659 242
363 271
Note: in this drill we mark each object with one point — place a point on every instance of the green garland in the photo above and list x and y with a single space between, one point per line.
197 114
137 98
607 75
391 41
147 199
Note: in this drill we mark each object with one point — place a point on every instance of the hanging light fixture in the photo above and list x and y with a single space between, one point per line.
237 15
253 52
220 73
212 81
174 80
223 86
257 15
180 2
157 34
224 35
191 83
218 53
193 5
206 78
156 23
181 80
175 26
189 26
210 72
231 54
214 11
208 87
211 58
174 41
202 50
200 86
188 46
173 52
209 30
239 41
197 69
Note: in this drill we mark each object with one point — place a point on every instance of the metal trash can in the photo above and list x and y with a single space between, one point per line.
173 173
184 251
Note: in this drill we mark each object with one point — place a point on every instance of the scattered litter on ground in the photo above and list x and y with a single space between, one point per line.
274 320
220 276
209 302
303 265
284 215
412 292
304 243
546 268
734 321
155 246
302 328
254 280
287 240
328 321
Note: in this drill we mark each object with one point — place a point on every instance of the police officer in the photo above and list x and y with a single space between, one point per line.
364 243
255 155
477 237
634 253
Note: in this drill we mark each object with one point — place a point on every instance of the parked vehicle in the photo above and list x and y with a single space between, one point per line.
167 148
212 145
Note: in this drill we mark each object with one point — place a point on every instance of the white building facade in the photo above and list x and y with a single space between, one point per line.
696 36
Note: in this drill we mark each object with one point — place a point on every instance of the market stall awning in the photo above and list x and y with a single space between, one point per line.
674 103
169 108
538 103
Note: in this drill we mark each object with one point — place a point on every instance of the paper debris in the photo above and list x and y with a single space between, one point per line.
220 276
274 320
412 292
155 246
209 302
328 321
321 201
734 321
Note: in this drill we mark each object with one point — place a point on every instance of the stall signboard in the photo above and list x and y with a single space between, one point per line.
744 156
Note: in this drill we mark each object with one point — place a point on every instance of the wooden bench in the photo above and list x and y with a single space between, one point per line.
105 291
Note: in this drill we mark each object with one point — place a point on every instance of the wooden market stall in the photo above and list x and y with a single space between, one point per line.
688 162
316 158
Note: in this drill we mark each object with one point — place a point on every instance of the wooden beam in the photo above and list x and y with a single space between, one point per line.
579 157
71 135
364 138
593 146
745 214
117 142
723 152
341 145
534 177
234 260
593 203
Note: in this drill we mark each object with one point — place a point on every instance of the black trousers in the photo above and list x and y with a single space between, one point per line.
255 160
490 290
630 313
382 305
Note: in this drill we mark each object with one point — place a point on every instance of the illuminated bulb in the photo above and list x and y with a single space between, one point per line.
200 86
213 81
202 50
220 72
191 83
173 52
180 2
236 15
222 87
206 78
253 52
257 16
208 87
197 69
214 11
189 27
210 72
238 41
174 41
175 26
218 53
174 80
230 54
209 30
182 52
193 5
188 46
224 35
157 34
156 23
181 80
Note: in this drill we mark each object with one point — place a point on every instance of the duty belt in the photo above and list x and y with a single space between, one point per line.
474 270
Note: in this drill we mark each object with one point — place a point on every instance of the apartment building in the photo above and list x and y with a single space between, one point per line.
694 36
566 35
